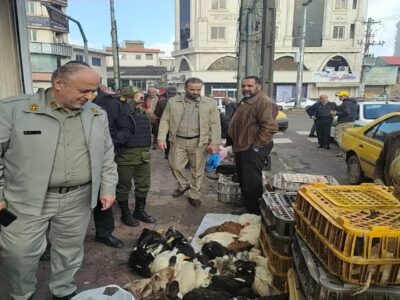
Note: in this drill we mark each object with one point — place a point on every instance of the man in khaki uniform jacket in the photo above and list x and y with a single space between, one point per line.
194 128
56 154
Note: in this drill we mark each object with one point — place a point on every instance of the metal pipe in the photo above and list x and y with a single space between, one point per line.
85 41
114 38
248 25
300 66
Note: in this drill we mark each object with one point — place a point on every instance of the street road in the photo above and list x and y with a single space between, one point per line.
295 151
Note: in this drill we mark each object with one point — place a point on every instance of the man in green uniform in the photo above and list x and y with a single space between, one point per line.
133 160
56 155
194 128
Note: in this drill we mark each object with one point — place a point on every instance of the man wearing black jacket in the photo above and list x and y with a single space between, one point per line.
104 219
321 113
347 113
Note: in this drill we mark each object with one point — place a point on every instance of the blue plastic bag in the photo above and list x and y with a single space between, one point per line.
213 162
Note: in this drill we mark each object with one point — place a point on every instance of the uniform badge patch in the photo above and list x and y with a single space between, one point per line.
53 104
95 111
34 107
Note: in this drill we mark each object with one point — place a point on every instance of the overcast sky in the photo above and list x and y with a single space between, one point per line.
153 21
388 12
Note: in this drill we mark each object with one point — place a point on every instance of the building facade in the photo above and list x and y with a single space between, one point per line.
97 60
139 66
15 72
48 41
206 43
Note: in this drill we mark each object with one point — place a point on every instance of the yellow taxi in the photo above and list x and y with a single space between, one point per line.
283 122
363 145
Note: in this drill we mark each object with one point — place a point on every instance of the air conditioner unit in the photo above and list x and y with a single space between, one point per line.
329 69
344 69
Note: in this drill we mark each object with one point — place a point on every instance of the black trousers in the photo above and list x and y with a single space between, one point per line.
323 127
249 166
103 220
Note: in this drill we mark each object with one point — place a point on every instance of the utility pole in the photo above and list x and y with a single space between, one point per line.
368 42
300 66
114 38
268 46
256 42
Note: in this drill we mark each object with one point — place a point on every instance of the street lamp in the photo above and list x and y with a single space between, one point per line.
299 81
61 13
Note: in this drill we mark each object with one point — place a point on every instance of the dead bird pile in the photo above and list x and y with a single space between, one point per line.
229 265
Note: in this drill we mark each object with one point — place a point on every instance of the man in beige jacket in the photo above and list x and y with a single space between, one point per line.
194 128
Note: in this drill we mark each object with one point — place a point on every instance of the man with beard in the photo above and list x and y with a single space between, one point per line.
251 130
193 124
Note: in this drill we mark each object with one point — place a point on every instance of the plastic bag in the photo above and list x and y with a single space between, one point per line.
213 162
109 292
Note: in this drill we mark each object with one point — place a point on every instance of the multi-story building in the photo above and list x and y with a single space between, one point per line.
397 41
206 40
96 59
139 66
48 41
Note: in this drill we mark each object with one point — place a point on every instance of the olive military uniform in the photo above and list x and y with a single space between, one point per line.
52 165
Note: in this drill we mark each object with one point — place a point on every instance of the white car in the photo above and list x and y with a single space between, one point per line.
369 111
290 103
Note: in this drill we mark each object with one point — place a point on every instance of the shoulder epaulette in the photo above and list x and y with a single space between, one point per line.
21 97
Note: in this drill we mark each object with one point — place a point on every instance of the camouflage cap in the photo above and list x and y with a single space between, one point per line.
129 91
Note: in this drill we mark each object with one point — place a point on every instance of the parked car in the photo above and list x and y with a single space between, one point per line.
290 103
363 145
369 111
283 121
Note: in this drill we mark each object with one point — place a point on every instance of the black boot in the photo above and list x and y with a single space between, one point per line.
140 213
126 216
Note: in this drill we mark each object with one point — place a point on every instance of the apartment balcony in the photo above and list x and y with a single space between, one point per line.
51 49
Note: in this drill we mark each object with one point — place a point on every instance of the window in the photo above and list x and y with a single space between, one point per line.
352 30
218 4
32 8
381 130
79 57
354 4
96 61
138 57
339 32
149 56
217 33
57 37
374 111
32 35
341 4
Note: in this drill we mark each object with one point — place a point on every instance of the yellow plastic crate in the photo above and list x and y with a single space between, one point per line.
353 230
294 288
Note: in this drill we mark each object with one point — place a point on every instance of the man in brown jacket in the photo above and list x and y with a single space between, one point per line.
251 130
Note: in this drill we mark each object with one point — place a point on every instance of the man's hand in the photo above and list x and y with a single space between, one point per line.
162 145
212 149
106 201
333 113
3 204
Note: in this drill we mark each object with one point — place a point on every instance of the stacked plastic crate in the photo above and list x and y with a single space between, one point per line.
277 234
228 190
348 244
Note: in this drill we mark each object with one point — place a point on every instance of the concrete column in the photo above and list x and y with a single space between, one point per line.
289 5
177 26
326 33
